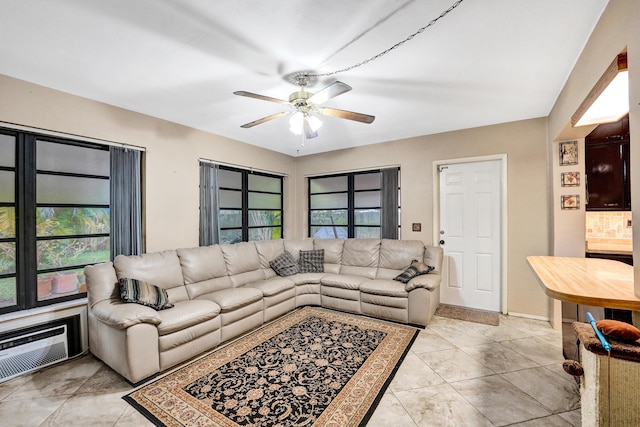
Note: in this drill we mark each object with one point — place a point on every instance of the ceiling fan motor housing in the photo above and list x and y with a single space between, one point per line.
299 101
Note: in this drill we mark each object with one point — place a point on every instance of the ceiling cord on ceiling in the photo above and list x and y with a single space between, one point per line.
395 46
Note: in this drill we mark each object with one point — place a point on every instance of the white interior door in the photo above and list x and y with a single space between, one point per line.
470 234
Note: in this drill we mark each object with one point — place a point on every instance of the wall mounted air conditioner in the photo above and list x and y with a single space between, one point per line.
32 350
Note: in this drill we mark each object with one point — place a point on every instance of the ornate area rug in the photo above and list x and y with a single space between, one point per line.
468 314
312 367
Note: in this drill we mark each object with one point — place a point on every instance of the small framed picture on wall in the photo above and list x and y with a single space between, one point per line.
570 201
570 179
568 153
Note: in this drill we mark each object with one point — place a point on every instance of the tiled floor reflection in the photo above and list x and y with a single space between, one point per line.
456 374
468 374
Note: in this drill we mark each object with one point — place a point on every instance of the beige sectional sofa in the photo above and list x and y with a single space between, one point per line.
219 292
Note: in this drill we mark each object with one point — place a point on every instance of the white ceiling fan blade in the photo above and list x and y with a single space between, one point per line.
261 97
331 91
265 119
349 115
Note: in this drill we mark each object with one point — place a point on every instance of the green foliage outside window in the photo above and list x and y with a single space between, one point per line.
55 253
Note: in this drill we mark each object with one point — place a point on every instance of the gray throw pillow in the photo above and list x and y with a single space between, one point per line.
139 292
312 261
416 268
284 264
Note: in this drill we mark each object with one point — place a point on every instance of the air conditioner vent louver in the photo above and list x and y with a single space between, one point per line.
32 351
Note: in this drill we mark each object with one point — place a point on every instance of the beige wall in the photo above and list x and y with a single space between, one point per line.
524 143
617 30
171 197
568 225
171 178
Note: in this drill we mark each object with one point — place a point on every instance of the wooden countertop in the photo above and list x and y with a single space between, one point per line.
588 281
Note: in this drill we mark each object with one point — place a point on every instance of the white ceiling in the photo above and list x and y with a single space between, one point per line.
487 62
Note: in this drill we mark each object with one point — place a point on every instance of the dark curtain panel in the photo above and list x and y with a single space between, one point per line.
389 204
125 202
208 204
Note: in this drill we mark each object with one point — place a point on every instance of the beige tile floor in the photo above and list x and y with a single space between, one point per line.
456 374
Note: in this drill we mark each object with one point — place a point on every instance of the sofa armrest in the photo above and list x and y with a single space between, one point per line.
120 315
428 281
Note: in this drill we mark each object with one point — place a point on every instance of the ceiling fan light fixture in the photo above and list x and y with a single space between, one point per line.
296 123
314 122
304 105
299 121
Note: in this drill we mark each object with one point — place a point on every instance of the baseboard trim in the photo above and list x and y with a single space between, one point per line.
529 316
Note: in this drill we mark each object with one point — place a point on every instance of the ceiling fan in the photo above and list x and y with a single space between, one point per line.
303 104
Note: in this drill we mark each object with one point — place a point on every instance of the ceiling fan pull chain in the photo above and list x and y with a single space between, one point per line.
395 46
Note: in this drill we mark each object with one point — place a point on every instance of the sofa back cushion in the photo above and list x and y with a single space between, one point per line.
159 268
433 256
102 283
204 270
294 246
268 250
332 253
360 257
396 255
243 263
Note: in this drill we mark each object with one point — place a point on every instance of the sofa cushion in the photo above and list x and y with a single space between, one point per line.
185 314
343 281
241 257
121 315
360 257
139 292
285 265
332 252
311 261
294 246
416 268
268 250
234 298
160 268
433 256
426 281
307 278
202 263
395 254
389 288
361 252
102 283
273 286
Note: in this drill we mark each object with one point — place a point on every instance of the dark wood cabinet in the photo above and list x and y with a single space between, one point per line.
607 163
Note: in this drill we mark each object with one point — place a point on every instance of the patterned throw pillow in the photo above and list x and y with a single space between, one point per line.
416 268
139 292
312 261
285 265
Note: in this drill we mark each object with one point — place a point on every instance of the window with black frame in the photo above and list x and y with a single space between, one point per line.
249 205
355 205
8 235
54 217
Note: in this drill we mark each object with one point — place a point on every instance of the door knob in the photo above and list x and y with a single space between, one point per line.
442 242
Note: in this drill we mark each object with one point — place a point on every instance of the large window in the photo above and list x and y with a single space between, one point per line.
361 205
8 238
249 206
54 217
